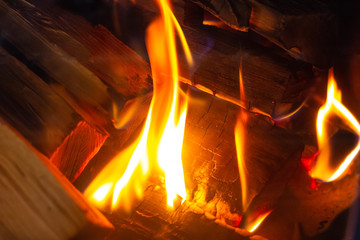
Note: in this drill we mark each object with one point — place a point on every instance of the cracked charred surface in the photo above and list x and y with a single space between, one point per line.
210 162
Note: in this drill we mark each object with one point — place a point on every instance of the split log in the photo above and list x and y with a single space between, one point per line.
32 107
37 201
45 119
305 29
76 84
270 81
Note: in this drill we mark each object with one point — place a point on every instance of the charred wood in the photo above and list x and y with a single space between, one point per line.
307 30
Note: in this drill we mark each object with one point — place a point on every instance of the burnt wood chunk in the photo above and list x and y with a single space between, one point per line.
307 30
37 202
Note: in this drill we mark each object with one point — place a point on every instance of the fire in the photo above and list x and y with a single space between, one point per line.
159 146
322 168
253 220
256 223
239 142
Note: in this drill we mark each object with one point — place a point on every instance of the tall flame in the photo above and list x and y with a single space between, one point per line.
159 145
252 220
239 142
239 133
322 168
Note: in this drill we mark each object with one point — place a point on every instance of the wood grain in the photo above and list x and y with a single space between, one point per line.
35 205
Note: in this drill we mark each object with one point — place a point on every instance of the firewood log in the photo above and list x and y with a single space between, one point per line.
32 107
45 119
37 202
76 84
305 29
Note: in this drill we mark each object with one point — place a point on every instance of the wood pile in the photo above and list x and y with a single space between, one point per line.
69 89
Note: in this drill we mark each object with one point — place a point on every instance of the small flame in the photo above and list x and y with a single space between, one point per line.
322 168
159 145
256 223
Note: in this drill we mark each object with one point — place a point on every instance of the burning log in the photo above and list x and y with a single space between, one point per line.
45 119
270 81
305 29
271 155
211 175
37 201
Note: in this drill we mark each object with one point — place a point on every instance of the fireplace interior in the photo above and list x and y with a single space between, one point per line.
263 95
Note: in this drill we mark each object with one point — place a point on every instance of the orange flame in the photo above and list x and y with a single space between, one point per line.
239 142
322 169
239 133
159 145
256 223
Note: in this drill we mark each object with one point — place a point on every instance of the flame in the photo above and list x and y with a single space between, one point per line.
252 221
256 223
239 142
239 133
322 169
159 145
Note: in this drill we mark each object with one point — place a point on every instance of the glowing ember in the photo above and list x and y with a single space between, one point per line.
159 145
322 168
256 223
